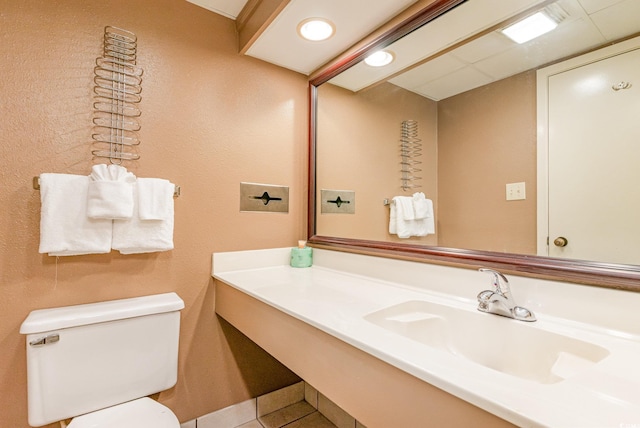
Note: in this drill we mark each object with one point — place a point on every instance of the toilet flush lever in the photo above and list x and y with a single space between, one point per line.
52 338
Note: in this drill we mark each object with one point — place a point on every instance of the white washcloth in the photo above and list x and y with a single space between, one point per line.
155 198
135 235
110 192
65 229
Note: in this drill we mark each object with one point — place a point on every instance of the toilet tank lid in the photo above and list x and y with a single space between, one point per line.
42 320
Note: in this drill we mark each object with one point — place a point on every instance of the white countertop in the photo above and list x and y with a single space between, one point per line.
341 289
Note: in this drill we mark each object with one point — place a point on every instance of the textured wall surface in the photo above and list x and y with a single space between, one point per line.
496 145
210 119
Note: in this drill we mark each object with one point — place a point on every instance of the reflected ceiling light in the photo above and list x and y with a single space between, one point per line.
531 27
379 59
316 29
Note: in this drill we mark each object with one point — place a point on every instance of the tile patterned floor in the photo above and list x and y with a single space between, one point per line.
298 415
295 406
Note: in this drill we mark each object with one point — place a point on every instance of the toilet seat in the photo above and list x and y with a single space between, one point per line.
140 413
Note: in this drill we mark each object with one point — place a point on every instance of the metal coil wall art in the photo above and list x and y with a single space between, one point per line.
410 150
118 84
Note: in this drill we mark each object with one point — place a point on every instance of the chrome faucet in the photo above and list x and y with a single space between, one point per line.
499 300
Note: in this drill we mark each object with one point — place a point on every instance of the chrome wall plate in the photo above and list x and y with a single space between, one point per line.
264 197
337 201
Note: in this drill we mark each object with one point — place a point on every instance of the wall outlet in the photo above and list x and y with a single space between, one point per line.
516 191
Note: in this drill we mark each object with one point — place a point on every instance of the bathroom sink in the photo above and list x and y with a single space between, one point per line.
512 347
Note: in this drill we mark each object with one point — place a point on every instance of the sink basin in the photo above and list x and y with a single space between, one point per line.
503 344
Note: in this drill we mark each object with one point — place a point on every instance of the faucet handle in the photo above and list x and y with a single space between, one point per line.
500 282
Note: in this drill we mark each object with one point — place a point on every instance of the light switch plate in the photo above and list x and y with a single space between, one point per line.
516 191
264 197
337 201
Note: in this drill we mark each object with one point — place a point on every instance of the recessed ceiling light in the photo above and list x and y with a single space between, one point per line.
531 27
316 29
379 59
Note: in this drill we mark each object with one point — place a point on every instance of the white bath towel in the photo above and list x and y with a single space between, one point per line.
403 227
110 192
65 229
155 198
135 235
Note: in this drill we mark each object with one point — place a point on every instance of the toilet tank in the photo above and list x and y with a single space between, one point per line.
87 357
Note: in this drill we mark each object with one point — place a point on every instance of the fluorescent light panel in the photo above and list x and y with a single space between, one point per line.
529 28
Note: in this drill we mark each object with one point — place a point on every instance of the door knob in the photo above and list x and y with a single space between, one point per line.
560 241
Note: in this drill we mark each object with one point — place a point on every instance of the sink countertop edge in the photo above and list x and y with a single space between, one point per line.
267 281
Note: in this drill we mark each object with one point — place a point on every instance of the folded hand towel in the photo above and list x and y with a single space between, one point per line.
422 207
110 192
155 198
135 235
65 229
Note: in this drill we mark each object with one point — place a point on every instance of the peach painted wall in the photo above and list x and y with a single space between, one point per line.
496 145
359 150
210 119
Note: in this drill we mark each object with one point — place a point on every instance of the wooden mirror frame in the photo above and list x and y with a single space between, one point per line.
611 275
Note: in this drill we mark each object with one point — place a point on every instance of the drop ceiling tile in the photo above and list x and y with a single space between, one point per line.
483 47
427 72
577 35
453 84
618 20
432 38
591 6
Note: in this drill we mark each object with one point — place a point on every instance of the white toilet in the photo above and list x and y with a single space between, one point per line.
97 363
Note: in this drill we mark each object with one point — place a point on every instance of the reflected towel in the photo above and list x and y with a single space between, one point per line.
415 226
136 235
110 192
422 207
424 223
403 227
65 229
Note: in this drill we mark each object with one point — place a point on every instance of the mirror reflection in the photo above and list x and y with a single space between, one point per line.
485 157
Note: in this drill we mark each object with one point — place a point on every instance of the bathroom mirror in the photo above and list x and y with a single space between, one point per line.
439 45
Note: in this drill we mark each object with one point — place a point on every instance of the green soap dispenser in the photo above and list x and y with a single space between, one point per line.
302 256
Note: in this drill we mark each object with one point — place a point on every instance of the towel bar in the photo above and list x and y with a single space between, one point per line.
36 185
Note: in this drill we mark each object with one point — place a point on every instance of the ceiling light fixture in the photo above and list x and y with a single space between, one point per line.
531 27
379 59
316 29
